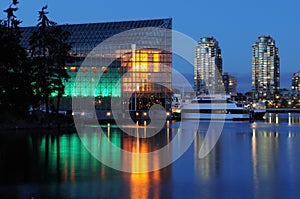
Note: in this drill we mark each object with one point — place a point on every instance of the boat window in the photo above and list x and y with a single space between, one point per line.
214 101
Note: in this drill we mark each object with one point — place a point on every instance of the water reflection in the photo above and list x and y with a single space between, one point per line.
251 160
63 159
277 118
207 168
265 152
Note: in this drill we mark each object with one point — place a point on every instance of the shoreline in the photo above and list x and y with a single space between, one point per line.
283 110
43 122
66 124
9 127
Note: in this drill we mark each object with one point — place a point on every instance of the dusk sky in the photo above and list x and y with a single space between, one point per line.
235 24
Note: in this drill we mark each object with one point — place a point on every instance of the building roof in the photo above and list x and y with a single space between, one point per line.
88 36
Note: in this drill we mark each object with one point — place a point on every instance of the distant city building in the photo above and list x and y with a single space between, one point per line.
208 67
265 68
284 92
230 84
142 62
296 83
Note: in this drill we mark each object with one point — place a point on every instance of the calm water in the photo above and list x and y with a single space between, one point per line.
250 160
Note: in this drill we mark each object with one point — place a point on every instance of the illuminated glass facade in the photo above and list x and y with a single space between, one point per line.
208 66
150 57
265 68
148 72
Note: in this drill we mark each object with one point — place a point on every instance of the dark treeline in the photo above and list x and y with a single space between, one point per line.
28 77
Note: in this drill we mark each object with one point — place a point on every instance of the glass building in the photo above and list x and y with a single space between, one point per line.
265 68
129 58
208 66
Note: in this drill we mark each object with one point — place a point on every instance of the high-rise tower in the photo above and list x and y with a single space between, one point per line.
265 68
208 67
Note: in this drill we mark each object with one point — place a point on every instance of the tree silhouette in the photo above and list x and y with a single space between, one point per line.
49 52
15 82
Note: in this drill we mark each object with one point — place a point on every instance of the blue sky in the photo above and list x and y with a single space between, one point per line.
235 24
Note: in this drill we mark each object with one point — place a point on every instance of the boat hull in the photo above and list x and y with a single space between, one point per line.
208 108
259 115
208 116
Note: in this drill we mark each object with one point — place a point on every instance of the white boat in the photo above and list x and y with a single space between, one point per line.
214 108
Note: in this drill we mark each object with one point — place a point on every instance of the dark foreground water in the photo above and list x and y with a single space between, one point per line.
250 160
